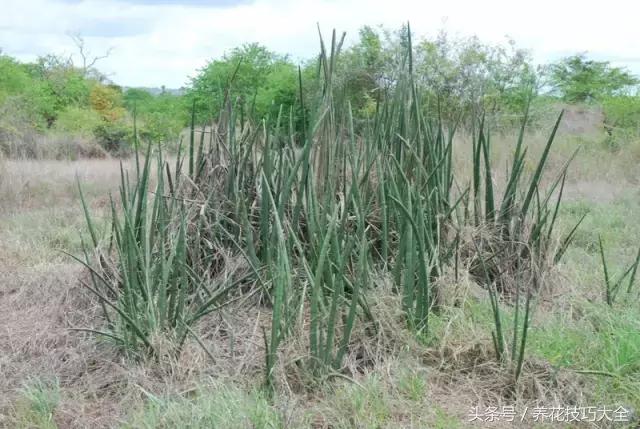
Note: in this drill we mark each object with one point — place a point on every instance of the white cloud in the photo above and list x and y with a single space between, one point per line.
165 41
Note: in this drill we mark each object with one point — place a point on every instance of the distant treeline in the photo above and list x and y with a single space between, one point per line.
458 79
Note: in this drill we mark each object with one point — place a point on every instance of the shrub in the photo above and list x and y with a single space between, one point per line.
18 131
78 120
107 102
622 112
69 146
116 138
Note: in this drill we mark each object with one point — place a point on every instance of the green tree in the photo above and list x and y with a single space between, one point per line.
136 98
160 117
21 91
257 80
14 78
464 77
361 71
63 83
578 79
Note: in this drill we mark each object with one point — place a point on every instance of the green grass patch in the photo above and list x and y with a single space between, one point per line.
36 406
214 407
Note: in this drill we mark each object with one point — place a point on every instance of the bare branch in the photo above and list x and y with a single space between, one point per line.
98 58
88 62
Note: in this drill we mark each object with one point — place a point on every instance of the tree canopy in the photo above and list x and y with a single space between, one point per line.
579 79
457 79
258 80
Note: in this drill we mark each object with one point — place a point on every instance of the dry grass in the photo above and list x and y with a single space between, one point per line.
41 299
39 307
391 384
30 184
40 216
32 144
393 379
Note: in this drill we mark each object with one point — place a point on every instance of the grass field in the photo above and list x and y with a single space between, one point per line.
580 351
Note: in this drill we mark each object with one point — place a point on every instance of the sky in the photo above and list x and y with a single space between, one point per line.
164 42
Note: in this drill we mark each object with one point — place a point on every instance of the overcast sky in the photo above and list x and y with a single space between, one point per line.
163 42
